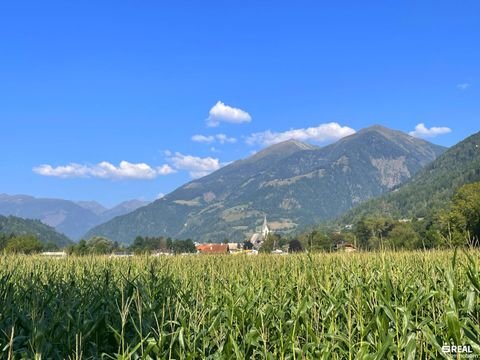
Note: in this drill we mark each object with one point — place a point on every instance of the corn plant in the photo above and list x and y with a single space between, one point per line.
403 305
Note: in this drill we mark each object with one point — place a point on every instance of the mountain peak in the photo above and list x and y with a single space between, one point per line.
381 129
283 148
291 143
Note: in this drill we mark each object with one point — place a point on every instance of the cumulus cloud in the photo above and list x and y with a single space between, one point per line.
165 170
463 86
421 131
221 138
225 113
196 166
104 170
321 134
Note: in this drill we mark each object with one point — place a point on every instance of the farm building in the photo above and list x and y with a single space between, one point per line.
213 249
346 247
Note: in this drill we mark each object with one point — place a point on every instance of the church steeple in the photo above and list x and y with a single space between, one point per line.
265 229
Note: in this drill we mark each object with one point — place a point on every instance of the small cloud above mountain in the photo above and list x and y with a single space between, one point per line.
196 166
220 138
221 112
321 134
421 131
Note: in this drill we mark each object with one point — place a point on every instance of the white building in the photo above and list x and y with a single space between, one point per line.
261 234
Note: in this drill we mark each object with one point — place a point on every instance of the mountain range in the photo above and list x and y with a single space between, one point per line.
73 219
292 183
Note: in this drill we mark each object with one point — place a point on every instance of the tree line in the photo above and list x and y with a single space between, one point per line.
23 244
456 224
98 245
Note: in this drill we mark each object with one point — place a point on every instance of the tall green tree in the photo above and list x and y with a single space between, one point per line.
403 236
460 222
25 244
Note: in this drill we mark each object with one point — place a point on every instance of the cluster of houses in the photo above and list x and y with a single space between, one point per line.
256 239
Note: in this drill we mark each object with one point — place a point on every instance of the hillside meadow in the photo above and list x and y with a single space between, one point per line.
403 305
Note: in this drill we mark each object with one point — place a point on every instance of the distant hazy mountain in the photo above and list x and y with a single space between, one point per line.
67 217
123 208
432 188
293 183
44 233
93 206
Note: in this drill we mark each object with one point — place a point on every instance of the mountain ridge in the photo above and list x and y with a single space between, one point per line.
44 233
431 188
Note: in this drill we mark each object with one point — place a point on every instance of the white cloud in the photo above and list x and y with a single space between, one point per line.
159 196
196 166
104 170
423 132
463 86
221 138
165 170
224 113
203 139
321 134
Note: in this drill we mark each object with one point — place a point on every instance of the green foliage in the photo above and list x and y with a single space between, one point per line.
295 246
460 222
268 245
377 232
23 244
273 242
325 306
317 240
95 246
147 245
403 236
183 246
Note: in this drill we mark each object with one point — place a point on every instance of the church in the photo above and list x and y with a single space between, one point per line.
260 235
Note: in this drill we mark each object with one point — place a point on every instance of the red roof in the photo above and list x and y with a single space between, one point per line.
213 248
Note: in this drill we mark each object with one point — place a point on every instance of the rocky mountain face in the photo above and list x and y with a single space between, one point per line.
292 183
431 188
67 217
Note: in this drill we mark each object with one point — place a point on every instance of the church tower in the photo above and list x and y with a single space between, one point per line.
265 228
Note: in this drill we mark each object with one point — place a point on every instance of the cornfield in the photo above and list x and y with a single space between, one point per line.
322 306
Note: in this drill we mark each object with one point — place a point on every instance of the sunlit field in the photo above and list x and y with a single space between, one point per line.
331 306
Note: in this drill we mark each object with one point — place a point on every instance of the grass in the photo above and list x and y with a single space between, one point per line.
331 306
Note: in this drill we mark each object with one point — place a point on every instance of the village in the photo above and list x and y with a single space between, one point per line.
252 246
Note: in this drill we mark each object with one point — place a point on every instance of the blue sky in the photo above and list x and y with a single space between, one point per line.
86 85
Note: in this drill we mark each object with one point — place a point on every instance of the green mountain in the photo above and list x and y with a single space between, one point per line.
432 188
44 233
67 217
292 183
